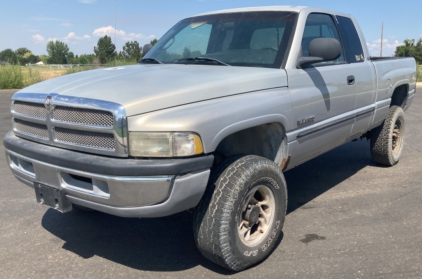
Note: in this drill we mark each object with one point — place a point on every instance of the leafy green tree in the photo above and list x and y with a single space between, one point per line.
105 49
22 51
32 59
43 58
153 42
22 55
57 52
83 60
410 49
131 51
22 60
71 58
9 56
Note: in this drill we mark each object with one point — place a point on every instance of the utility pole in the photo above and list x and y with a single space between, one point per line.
115 30
382 36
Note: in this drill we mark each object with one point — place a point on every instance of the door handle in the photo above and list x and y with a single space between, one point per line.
351 80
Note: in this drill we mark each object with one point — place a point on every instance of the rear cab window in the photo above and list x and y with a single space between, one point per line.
351 40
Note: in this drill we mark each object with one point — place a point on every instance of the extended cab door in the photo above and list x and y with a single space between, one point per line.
362 71
323 97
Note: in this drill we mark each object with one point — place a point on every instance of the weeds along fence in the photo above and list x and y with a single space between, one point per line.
17 77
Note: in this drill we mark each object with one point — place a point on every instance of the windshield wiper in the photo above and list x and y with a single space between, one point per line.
149 60
211 60
202 59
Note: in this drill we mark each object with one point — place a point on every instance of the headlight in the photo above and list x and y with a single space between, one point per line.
143 144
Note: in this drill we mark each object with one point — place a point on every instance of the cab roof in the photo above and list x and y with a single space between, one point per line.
295 9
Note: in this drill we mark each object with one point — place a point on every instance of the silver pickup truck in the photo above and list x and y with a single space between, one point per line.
209 120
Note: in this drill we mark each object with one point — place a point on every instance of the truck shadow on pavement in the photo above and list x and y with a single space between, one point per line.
166 244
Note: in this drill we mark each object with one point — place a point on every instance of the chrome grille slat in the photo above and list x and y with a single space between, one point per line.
83 116
30 109
31 129
75 123
85 138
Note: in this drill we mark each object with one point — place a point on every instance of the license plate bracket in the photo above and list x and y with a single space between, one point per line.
52 197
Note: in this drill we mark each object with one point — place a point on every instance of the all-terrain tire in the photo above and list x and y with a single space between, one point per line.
385 150
216 219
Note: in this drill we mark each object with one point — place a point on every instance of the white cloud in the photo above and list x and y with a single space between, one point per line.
87 1
110 31
388 47
379 41
38 39
72 36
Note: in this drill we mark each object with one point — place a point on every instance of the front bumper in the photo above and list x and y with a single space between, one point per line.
122 187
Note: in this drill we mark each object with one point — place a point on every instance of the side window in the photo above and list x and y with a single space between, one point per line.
319 26
352 43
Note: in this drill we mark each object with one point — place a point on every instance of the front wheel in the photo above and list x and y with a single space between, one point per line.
239 221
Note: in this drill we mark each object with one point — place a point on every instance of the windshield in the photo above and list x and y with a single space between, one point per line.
253 39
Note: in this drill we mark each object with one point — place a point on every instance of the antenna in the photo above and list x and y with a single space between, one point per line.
382 36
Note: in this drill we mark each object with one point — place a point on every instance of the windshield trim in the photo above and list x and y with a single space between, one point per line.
284 48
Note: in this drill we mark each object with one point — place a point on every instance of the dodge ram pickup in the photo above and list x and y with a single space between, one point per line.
209 120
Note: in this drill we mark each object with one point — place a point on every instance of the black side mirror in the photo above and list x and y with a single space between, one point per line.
146 49
321 50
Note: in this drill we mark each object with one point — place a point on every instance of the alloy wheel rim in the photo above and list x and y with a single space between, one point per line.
256 216
396 137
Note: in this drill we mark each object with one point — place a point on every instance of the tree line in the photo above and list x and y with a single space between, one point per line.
59 53
411 48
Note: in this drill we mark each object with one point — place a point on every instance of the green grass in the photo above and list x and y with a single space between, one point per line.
17 77
419 74
77 69
13 77
121 63
81 68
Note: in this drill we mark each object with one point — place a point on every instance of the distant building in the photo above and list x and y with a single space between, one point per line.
39 63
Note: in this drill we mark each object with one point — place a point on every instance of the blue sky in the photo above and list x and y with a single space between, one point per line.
32 23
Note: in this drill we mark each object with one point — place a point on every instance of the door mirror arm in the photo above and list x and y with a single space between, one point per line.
303 61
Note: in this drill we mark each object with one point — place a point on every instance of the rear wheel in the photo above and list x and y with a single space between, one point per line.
387 140
238 222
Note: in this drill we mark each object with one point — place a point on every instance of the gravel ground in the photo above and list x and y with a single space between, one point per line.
347 218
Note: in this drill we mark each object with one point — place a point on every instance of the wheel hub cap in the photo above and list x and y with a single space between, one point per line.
252 215
256 215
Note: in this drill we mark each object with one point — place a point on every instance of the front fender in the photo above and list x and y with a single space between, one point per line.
215 119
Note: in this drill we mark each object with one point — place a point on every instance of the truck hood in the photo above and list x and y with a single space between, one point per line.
145 88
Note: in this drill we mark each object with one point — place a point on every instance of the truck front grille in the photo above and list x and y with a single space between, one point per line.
85 138
30 109
31 129
98 127
83 116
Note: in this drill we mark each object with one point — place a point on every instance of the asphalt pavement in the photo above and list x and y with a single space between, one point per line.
347 218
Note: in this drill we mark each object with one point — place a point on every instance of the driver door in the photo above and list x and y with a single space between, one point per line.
322 95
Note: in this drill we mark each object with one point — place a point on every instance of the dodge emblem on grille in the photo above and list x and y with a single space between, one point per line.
48 102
